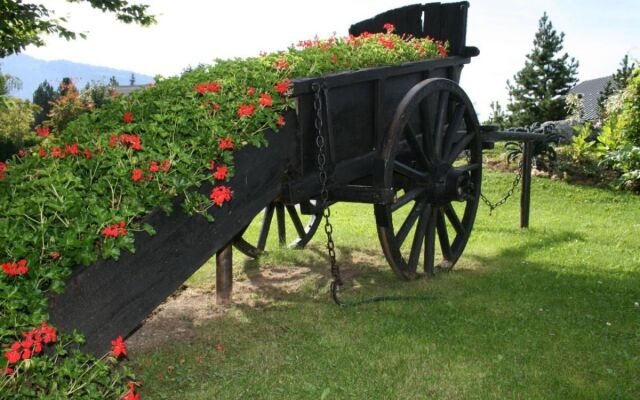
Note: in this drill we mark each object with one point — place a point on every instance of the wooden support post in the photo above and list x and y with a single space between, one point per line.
525 194
224 275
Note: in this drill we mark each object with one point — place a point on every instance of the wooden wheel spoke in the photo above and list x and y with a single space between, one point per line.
266 224
450 212
408 223
407 171
443 235
460 146
452 130
426 129
430 242
282 234
295 218
422 159
407 197
418 237
441 116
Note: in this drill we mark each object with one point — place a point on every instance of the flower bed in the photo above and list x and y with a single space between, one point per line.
78 196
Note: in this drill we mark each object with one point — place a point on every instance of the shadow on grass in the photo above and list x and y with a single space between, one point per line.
518 329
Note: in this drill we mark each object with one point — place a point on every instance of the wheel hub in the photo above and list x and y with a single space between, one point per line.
450 184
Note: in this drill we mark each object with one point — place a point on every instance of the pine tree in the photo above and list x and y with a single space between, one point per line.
43 96
616 84
132 80
537 94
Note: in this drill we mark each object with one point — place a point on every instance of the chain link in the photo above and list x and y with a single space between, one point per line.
324 193
514 186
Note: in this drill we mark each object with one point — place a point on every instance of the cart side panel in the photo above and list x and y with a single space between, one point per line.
447 22
407 20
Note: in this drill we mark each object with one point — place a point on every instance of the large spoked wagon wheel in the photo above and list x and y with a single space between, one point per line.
303 218
432 159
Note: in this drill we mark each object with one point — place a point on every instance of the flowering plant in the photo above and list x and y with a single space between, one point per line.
79 195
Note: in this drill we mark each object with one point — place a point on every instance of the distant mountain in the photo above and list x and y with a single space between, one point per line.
33 71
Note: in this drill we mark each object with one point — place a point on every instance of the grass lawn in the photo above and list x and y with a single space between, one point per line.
551 312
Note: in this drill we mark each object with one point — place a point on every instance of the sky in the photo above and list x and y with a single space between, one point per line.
190 32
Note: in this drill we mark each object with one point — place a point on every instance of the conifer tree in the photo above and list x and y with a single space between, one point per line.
539 89
43 96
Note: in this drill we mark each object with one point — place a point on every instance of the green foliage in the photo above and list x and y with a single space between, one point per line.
43 96
8 83
537 94
497 117
625 159
16 120
96 94
616 84
24 24
79 196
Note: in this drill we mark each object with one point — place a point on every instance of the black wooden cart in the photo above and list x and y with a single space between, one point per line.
403 138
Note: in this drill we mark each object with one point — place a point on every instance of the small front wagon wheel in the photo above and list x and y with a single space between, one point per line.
301 219
432 158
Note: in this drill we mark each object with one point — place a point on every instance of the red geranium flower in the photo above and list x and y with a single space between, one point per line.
15 268
137 174
12 356
87 154
72 149
246 110
210 87
265 100
386 42
119 347
42 152
442 50
280 120
389 27
225 144
3 167
251 91
154 167
220 194
127 117
221 173
165 165
115 230
43 132
281 64
283 86
21 153
131 394
57 152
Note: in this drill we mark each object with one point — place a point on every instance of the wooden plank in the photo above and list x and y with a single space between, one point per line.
111 298
407 21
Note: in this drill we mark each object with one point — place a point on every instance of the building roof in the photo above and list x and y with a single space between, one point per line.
590 93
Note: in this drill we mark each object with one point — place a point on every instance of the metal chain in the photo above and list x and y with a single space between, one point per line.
514 186
324 193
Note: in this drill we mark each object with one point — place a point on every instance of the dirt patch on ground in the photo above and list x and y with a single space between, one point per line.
189 307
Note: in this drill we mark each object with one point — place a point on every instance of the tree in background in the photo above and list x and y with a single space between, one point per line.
96 94
113 82
26 23
537 94
43 96
132 80
616 84
497 117
67 106
8 83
